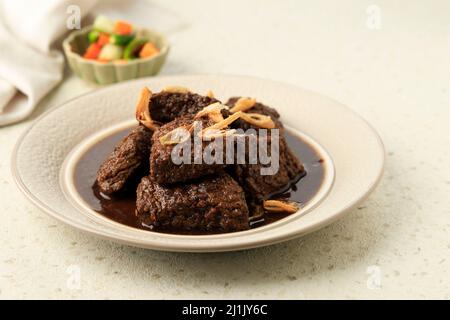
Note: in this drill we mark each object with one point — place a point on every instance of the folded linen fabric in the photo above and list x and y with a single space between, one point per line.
29 66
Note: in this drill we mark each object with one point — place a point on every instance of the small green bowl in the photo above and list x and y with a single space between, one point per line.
111 72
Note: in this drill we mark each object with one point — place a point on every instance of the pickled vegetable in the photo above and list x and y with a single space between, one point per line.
104 24
110 52
93 36
120 40
92 51
148 50
133 48
123 28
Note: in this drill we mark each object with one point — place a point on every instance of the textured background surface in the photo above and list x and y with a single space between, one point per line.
395 245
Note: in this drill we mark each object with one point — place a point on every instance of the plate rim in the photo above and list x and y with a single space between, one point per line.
308 228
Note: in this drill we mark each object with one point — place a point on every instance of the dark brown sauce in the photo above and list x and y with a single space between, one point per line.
122 209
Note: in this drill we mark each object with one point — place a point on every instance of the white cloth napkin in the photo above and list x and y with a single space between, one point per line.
29 68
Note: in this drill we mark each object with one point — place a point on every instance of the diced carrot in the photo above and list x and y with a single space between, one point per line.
148 50
123 27
103 39
92 51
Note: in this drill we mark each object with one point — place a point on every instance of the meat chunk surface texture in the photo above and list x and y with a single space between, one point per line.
127 164
211 204
257 108
164 170
259 187
166 106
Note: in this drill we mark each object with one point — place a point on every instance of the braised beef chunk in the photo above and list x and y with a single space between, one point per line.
259 187
166 106
211 204
257 108
127 163
163 168
185 179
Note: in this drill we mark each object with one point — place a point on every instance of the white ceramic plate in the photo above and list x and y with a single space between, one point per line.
46 154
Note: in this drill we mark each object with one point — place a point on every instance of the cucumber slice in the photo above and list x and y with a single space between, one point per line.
120 40
104 24
93 36
111 52
132 49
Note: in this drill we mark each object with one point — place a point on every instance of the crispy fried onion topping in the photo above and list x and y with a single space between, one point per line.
143 109
177 135
213 111
218 129
258 120
210 94
281 206
243 104
176 89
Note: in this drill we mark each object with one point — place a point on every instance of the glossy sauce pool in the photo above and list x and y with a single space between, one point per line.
122 209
